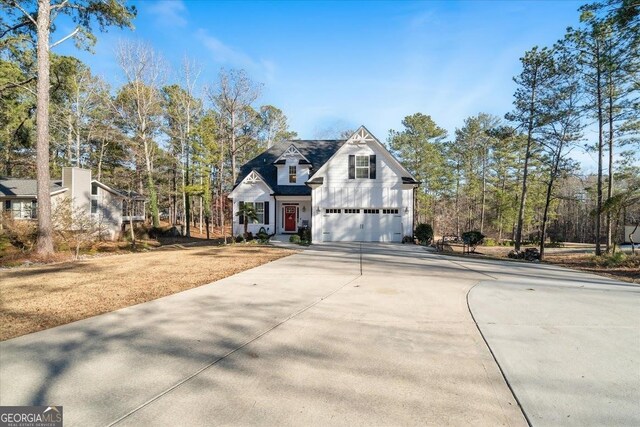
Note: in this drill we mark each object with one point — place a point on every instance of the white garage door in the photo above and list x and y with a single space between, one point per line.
362 225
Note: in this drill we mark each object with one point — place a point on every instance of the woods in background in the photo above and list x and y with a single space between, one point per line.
179 136
174 136
516 179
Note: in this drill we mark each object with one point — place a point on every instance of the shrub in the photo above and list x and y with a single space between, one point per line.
472 238
295 239
239 238
407 239
21 234
424 233
614 260
488 241
262 235
248 236
305 234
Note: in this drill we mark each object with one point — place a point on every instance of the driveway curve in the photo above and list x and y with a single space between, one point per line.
334 335
568 342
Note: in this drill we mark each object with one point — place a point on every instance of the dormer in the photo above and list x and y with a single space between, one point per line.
293 167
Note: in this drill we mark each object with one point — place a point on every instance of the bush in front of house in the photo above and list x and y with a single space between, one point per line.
472 238
305 234
424 233
295 239
239 238
262 235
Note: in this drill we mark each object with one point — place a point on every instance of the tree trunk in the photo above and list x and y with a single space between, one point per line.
185 203
151 189
484 189
69 140
45 231
610 182
103 146
600 148
201 207
458 200
547 202
233 149
525 173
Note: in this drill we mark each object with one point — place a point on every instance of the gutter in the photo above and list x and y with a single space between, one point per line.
275 216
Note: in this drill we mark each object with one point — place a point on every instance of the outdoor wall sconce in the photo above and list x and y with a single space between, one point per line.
318 209
406 210
304 209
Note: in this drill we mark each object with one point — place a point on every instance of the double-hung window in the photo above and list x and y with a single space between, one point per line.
259 208
292 175
259 212
362 166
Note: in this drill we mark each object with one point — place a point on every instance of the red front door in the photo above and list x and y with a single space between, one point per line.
289 218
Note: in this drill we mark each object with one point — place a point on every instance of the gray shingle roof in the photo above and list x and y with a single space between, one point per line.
316 151
24 187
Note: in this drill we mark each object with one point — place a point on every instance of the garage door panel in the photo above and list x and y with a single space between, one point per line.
366 227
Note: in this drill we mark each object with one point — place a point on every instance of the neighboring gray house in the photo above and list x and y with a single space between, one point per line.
343 190
107 206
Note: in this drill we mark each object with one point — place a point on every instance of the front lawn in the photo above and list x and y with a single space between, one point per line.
41 297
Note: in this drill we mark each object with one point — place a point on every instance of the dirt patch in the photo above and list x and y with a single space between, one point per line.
627 270
40 297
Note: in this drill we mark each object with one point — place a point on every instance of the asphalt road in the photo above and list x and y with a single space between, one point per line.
310 340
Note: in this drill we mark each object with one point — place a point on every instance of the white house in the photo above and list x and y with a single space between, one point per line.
108 207
344 190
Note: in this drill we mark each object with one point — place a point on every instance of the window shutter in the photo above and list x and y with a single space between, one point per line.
7 205
372 166
266 212
352 166
241 217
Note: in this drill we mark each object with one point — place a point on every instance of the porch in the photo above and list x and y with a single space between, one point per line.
291 213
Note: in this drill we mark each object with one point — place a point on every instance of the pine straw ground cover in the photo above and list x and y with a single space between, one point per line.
40 297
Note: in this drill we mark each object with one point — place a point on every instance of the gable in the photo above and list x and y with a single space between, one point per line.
251 185
317 152
291 153
363 143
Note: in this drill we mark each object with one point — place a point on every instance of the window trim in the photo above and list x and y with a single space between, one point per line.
293 174
360 168
260 214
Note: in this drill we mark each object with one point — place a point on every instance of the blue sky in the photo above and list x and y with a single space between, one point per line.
341 64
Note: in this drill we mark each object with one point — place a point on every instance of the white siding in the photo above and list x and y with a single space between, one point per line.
252 192
385 191
302 172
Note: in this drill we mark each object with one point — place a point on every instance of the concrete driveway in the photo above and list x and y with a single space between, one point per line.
568 342
308 340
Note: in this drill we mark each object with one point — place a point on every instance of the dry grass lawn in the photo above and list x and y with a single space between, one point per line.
41 297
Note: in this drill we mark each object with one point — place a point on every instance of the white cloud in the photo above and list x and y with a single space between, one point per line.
223 53
169 12
227 55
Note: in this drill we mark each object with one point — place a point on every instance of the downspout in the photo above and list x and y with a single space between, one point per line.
413 213
275 216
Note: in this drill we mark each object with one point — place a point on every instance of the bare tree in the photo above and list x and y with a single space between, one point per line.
234 93
183 110
139 104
